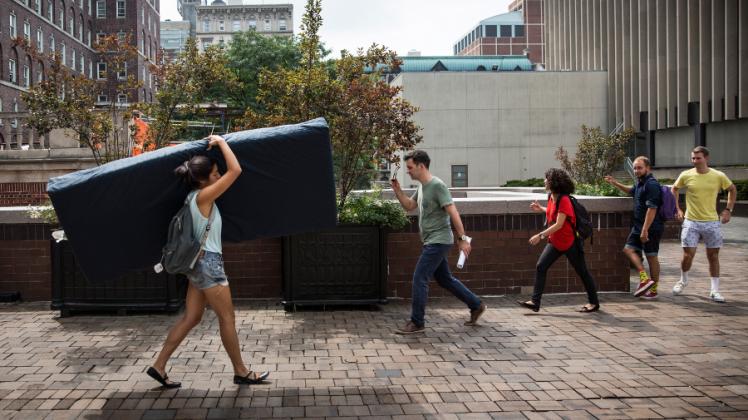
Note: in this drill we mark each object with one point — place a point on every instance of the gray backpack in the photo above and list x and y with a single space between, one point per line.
182 248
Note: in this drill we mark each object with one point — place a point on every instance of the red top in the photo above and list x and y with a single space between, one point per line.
563 238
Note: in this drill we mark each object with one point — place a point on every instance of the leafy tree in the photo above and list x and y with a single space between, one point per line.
597 155
248 54
369 121
182 86
66 99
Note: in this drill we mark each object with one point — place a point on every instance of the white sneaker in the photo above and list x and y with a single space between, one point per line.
716 297
679 286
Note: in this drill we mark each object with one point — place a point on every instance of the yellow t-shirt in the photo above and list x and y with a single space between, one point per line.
701 196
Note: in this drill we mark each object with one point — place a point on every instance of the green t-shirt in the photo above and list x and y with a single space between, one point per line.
433 220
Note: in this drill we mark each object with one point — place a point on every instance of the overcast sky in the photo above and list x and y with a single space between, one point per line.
429 26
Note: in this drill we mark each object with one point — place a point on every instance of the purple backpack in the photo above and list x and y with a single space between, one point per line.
667 210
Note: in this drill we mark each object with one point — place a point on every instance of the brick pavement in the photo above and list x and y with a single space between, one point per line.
674 358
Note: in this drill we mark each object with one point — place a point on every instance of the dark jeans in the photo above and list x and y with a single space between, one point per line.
575 255
433 263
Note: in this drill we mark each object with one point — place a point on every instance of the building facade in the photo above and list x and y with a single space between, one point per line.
484 128
217 22
174 35
70 29
520 31
677 70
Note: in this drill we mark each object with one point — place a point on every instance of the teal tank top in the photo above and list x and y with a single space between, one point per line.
199 222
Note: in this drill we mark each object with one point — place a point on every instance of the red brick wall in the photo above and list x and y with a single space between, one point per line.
25 264
254 268
23 193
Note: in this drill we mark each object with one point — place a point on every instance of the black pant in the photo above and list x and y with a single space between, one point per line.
575 255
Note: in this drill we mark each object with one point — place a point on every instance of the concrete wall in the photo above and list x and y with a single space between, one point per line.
503 125
728 142
673 147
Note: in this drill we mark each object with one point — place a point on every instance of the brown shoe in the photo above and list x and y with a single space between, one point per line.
410 328
476 314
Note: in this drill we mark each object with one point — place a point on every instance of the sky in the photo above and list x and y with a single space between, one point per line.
429 26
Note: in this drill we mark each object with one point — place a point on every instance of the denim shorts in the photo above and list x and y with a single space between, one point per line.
650 248
208 271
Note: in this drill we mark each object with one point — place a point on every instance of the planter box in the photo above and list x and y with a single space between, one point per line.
341 266
136 291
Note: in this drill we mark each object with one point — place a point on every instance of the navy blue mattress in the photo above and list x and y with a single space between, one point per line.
116 215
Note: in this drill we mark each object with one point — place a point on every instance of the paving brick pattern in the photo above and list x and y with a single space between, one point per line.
674 358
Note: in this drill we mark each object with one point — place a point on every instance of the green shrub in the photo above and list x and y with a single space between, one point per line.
532 182
371 209
742 186
601 189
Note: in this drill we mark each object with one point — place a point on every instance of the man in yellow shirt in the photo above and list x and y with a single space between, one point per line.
701 218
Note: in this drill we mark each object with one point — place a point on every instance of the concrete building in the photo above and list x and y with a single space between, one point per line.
69 28
677 70
485 128
518 32
217 22
174 35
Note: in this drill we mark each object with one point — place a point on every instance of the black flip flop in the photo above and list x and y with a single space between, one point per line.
246 380
585 309
153 373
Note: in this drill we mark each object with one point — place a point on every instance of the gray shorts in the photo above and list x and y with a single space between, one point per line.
208 271
692 231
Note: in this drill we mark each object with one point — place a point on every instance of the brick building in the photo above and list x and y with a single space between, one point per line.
517 32
69 28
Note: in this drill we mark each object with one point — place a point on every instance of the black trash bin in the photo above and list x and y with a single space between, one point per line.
142 290
346 265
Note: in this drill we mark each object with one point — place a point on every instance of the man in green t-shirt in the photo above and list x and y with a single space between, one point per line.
435 210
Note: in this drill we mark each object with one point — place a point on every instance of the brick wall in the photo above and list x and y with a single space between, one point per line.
22 193
25 261
501 262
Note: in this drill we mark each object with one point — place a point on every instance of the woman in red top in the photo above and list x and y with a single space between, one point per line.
562 240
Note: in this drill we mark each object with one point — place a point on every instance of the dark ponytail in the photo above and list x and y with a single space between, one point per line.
194 171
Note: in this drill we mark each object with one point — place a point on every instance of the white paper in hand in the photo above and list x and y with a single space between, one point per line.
463 257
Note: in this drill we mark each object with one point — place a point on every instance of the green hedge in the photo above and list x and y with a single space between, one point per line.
742 186
532 182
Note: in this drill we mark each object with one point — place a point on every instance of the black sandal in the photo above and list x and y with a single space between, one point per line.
153 373
239 380
529 305
586 309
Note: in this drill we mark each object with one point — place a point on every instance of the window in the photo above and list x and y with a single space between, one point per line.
120 8
121 98
40 40
50 10
491 31
61 22
100 9
519 30
101 70
52 43
121 36
282 25
63 53
83 64
89 7
38 6
72 60
236 26
253 24
102 97
71 25
90 69
206 26
26 75
12 70
221 26
26 30
100 37
89 38
459 176
207 41
13 32
267 24
505 31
